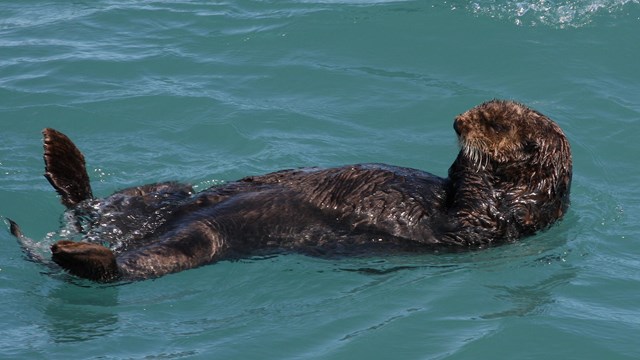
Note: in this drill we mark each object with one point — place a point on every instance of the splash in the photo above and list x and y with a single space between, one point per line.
562 13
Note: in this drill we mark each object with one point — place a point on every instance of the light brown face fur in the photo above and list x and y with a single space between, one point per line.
505 132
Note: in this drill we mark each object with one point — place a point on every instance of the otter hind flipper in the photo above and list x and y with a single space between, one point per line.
65 168
90 261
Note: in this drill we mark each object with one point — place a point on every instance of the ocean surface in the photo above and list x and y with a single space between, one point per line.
211 91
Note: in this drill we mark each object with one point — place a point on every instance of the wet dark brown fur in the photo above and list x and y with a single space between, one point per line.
69 177
511 179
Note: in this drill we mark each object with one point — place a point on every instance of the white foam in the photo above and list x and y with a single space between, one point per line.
562 13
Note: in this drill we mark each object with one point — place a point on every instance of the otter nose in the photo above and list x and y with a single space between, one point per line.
457 126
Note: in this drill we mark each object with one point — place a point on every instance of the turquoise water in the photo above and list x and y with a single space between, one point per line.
206 92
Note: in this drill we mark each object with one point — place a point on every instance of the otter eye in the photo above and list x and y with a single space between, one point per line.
531 146
499 127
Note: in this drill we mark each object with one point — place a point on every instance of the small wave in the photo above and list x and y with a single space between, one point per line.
562 13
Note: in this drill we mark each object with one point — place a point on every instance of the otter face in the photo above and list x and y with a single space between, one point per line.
504 132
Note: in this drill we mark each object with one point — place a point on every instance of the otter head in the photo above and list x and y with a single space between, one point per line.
90 261
507 133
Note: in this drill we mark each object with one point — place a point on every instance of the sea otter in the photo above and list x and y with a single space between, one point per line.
511 178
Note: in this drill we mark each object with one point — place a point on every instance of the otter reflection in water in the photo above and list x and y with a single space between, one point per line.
510 179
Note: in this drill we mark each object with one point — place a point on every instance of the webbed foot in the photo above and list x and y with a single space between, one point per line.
65 168
90 261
